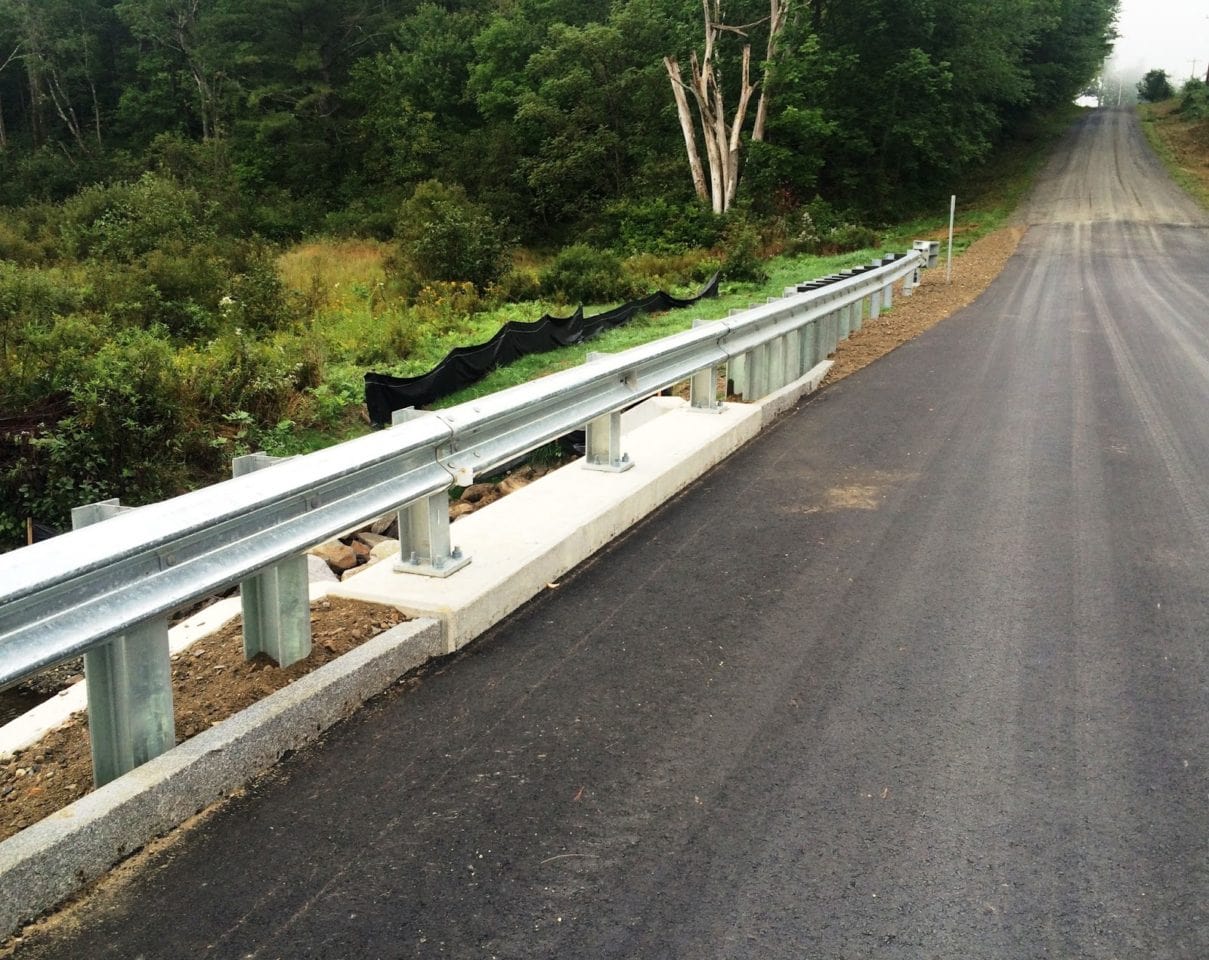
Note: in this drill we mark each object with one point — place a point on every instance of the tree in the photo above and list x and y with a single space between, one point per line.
1155 86
722 137
183 30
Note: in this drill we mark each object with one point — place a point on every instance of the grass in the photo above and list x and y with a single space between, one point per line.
1182 145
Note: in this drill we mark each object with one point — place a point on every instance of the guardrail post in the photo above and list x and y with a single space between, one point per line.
129 682
738 370
776 364
856 314
703 391
810 345
276 601
844 318
602 439
703 386
757 372
793 355
425 543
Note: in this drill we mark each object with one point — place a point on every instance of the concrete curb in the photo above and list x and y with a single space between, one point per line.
44 864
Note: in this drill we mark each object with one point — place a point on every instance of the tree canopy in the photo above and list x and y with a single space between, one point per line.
546 112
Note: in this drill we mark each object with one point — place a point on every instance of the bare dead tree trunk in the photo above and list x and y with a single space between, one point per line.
723 139
776 20
687 126
92 84
63 107
36 98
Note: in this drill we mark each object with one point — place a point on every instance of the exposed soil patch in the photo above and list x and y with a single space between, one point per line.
210 682
933 301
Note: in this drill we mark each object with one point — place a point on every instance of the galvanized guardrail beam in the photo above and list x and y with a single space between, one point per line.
105 590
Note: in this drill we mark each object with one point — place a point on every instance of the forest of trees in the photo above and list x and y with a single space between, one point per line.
159 157
325 113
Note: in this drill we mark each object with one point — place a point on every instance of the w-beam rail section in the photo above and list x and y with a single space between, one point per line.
106 590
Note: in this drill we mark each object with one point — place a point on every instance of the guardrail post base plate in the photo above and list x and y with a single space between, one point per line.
603 445
424 539
129 683
276 601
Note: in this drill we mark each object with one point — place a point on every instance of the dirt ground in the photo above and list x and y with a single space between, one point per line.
932 301
210 682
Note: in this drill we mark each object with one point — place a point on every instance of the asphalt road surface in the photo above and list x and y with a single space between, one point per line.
920 673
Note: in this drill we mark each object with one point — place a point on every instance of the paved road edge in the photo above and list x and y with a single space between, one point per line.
44 864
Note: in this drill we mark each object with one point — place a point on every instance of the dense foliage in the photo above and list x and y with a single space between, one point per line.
545 111
1155 86
155 154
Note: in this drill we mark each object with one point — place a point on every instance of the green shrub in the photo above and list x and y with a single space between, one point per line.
256 299
444 236
650 272
820 229
583 274
240 371
122 435
741 259
164 289
660 226
30 302
1194 99
1155 86
125 221
518 285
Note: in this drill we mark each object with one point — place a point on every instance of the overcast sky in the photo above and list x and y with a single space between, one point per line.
1163 34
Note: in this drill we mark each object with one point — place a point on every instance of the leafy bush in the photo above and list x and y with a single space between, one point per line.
30 301
1194 99
444 236
126 221
123 433
164 289
583 274
240 371
661 226
1155 86
256 299
741 253
650 272
819 229
518 285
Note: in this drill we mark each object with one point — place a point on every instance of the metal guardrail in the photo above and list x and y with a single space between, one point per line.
106 589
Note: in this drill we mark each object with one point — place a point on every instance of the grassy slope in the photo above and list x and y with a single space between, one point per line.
1182 145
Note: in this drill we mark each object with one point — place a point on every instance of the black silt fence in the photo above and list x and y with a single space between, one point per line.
466 365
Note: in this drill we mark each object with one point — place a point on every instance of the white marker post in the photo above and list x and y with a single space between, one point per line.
952 217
